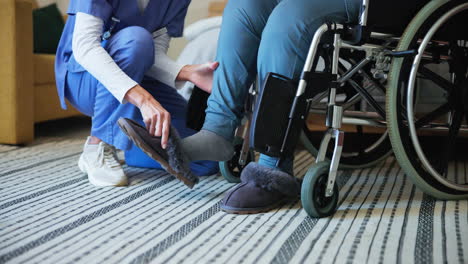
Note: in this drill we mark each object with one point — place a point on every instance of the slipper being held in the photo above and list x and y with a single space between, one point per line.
172 159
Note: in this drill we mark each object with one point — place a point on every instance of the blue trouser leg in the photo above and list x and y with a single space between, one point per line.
132 49
280 32
243 23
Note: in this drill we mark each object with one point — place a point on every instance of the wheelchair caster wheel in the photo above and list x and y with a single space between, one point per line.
231 169
313 198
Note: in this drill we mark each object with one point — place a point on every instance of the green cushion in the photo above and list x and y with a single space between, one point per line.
48 27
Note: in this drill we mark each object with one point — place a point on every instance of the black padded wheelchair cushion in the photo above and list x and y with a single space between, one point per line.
270 118
197 104
273 109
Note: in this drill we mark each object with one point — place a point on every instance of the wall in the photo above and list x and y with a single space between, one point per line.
62 4
198 10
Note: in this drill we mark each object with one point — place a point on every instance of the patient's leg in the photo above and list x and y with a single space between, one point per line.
243 23
287 37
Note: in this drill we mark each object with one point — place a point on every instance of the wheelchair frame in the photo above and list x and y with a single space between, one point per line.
336 115
334 119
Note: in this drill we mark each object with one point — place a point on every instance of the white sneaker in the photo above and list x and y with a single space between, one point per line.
101 164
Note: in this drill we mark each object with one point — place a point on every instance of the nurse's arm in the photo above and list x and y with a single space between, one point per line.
89 53
156 118
174 74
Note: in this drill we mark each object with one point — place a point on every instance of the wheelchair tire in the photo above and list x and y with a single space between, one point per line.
403 144
313 198
231 170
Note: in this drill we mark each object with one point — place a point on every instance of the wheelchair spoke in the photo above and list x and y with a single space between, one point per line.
369 98
361 148
374 81
445 108
448 151
436 78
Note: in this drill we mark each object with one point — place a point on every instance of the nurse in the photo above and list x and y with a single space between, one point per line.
112 63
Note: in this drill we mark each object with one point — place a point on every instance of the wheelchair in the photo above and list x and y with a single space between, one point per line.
398 87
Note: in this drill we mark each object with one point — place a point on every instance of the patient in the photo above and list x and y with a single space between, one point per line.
256 37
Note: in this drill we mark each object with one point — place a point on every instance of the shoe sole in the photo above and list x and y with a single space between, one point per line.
131 133
83 168
247 211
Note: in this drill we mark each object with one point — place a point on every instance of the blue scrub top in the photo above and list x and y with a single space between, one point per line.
158 14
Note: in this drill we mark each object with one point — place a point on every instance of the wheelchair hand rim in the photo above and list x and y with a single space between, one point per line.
410 99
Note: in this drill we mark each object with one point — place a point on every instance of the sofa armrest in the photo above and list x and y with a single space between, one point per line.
16 72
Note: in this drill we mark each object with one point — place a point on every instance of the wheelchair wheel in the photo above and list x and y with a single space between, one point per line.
313 198
425 108
231 170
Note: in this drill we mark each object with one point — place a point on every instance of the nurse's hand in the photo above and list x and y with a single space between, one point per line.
199 74
156 118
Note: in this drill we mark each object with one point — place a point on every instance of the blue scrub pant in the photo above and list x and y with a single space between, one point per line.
264 36
132 49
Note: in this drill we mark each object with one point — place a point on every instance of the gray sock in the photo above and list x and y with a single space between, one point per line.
206 145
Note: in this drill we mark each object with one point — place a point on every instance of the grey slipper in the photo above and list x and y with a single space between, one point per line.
172 159
262 189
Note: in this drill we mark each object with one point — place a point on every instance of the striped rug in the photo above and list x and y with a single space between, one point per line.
49 213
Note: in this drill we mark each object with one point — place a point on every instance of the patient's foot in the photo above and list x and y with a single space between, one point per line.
206 145
100 162
261 189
